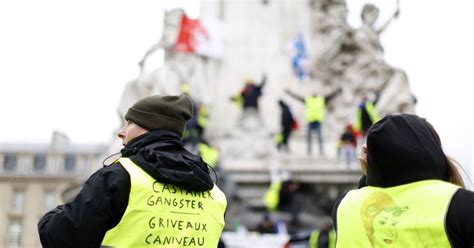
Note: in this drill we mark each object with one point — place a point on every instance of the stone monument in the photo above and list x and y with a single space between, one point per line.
255 37
340 57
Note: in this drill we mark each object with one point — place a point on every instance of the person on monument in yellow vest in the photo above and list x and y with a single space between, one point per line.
411 194
202 119
248 98
314 110
157 194
208 153
366 116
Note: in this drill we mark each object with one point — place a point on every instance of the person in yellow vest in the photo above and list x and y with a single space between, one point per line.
366 116
411 194
289 202
271 197
202 119
208 153
157 194
314 110
192 133
323 238
248 98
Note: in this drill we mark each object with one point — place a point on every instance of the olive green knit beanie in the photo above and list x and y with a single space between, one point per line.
162 112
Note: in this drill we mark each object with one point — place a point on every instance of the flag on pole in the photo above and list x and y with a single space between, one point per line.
300 60
186 42
202 37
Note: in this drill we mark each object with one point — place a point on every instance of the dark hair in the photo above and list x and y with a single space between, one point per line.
453 174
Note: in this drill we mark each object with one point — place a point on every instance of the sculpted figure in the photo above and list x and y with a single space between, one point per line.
352 59
368 36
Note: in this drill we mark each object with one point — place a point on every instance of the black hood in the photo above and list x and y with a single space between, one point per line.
161 154
404 149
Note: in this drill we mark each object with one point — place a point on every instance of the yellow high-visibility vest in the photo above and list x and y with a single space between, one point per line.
238 100
209 154
410 215
203 116
164 215
374 117
271 197
313 239
278 138
314 109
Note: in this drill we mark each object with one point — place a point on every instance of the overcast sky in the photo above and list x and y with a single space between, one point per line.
63 64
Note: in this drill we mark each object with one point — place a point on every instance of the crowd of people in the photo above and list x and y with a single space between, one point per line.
159 193
351 138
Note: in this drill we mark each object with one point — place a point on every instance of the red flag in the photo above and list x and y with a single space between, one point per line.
190 29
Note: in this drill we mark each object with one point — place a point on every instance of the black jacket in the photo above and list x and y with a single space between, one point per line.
286 116
252 93
402 149
104 197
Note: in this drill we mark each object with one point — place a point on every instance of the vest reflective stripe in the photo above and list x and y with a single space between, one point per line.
314 109
313 239
374 117
209 154
164 215
410 215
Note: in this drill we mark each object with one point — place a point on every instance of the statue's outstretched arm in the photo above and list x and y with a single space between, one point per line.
150 51
395 15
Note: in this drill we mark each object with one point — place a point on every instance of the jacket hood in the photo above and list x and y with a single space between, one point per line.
404 149
161 154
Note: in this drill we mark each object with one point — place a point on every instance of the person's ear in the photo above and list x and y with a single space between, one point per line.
363 159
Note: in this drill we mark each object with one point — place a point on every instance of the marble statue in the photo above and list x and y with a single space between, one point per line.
354 62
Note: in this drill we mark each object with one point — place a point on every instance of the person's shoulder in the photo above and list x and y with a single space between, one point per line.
463 198
460 220
115 167
112 171
461 207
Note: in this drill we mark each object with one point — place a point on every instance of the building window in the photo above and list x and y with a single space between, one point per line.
70 163
39 163
24 164
55 163
82 164
9 162
85 164
18 200
49 200
14 233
